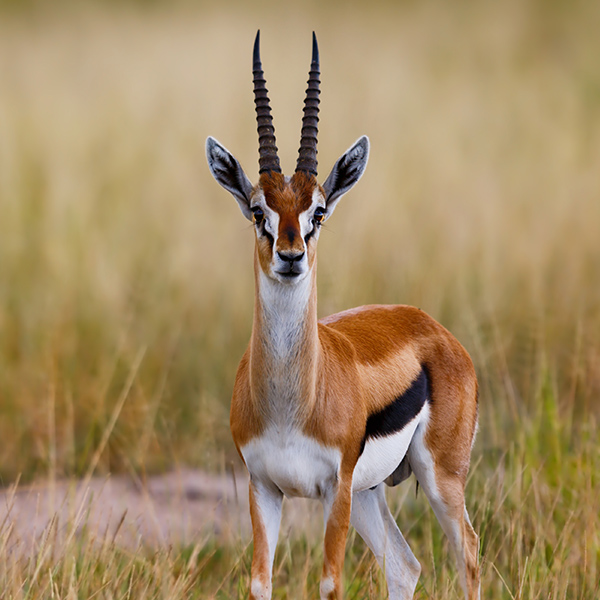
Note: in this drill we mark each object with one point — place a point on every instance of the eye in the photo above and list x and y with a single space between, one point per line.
319 214
258 215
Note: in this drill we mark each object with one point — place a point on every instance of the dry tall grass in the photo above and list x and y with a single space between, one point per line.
125 272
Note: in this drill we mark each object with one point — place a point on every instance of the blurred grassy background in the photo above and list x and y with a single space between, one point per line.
481 204
126 272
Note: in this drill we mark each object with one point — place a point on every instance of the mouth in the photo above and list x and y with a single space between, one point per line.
288 274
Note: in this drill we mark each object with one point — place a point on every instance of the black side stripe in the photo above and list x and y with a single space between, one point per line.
401 411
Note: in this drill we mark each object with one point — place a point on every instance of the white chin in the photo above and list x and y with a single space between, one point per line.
290 279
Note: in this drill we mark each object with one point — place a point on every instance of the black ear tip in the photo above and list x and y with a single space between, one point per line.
365 144
212 144
215 151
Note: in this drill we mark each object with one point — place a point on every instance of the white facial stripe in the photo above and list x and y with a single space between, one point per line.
306 217
271 216
272 222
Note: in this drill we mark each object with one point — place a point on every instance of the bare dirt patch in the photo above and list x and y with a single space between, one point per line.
177 508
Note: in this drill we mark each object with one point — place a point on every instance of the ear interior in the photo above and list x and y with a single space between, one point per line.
229 173
346 172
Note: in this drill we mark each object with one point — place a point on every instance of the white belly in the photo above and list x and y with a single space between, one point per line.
296 464
300 466
382 455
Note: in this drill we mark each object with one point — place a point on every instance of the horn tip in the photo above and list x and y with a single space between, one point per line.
256 52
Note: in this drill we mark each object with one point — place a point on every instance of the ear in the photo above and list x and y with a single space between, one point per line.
229 173
346 172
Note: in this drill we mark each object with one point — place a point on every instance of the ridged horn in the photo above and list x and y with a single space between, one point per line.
307 155
267 150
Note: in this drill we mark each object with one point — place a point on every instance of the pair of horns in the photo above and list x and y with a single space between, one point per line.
267 149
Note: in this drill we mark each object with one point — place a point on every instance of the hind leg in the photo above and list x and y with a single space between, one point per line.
372 519
445 491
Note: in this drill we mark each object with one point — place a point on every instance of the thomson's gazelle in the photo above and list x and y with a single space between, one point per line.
333 409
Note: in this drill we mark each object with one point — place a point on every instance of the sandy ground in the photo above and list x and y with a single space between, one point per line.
177 508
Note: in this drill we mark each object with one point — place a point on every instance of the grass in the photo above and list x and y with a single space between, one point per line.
125 271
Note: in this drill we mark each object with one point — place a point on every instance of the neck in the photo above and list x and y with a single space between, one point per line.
284 347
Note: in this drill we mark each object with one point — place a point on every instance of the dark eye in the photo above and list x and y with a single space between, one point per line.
319 214
258 215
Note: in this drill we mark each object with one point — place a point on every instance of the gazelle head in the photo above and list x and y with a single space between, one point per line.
287 212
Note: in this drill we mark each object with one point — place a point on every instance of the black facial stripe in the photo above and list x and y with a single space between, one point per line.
401 411
262 224
310 233
268 236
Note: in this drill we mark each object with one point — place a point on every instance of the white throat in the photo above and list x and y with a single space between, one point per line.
284 347
284 310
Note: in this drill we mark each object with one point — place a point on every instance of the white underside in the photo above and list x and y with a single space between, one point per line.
382 455
300 466
297 464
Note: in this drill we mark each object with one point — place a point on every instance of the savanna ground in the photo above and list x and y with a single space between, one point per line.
126 272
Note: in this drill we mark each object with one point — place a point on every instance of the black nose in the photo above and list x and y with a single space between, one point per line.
291 256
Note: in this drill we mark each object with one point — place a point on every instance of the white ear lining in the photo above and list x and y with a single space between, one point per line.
346 172
228 172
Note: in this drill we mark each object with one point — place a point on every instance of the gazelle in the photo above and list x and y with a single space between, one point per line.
332 409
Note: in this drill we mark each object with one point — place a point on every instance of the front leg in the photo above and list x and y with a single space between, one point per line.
337 509
265 512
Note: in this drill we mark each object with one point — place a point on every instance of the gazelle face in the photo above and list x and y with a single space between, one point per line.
287 213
